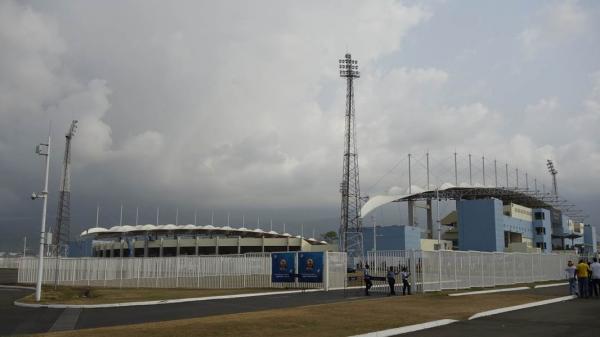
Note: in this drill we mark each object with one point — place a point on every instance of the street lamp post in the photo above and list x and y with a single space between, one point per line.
43 195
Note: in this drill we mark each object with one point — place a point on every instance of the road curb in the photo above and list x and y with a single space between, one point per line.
489 291
158 302
550 285
408 328
522 306
16 287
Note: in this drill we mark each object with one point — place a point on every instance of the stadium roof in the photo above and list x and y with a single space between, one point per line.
524 197
188 229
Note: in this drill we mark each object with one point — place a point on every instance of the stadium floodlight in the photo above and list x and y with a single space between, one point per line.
42 150
349 67
553 172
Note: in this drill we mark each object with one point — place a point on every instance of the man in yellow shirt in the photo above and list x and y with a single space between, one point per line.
583 270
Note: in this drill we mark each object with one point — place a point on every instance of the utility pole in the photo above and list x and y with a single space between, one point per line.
137 215
350 221
157 214
483 169
176 216
97 214
455 171
24 246
506 175
43 195
470 175
121 216
517 177
427 171
495 174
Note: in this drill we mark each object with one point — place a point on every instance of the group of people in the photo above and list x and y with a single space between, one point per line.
390 278
584 278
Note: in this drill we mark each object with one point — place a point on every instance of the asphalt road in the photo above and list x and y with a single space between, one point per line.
578 317
572 318
19 320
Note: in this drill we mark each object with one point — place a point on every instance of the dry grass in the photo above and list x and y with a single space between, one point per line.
336 319
75 295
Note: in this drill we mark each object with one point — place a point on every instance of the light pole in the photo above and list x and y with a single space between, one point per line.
43 195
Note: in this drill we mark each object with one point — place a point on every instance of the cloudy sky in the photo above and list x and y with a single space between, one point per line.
237 107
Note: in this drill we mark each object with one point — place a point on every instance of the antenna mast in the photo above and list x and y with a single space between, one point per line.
62 228
350 222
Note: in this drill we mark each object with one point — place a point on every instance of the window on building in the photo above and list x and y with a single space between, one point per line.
539 215
540 230
541 245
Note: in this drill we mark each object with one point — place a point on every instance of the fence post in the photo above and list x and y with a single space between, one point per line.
121 272
177 272
245 275
105 268
440 269
220 272
455 272
482 270
494 269
139 267
470 264
532 271
326 267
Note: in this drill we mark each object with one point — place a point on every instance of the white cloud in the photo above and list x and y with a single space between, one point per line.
552 26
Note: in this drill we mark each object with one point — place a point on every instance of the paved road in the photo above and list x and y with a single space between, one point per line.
18 320
552 320
23 320
579 317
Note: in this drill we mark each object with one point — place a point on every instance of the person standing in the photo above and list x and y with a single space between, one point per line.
405 283
596 277
570 271
582 278
367 278
391 279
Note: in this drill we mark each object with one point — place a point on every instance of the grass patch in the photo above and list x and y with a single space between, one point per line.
86 295
334 319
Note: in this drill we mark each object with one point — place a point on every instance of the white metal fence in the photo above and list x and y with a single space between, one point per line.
9 262
251 270
440 270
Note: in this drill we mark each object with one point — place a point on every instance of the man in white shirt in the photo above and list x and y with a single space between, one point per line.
570 273
595 266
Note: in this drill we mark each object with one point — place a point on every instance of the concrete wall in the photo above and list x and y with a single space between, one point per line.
545 223
589 239
392 238
477 225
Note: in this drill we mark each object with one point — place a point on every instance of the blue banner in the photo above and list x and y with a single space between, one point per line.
283 266
310 267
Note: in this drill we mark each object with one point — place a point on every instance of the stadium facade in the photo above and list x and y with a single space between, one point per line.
485 219
175 240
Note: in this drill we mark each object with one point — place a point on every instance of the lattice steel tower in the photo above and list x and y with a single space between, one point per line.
61 231
350 221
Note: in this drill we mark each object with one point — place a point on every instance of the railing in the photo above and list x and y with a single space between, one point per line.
9 262
252 270
440 270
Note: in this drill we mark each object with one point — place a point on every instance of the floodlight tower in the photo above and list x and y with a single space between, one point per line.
62 228
350 222
553 172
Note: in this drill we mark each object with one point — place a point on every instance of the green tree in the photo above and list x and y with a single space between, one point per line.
330 236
